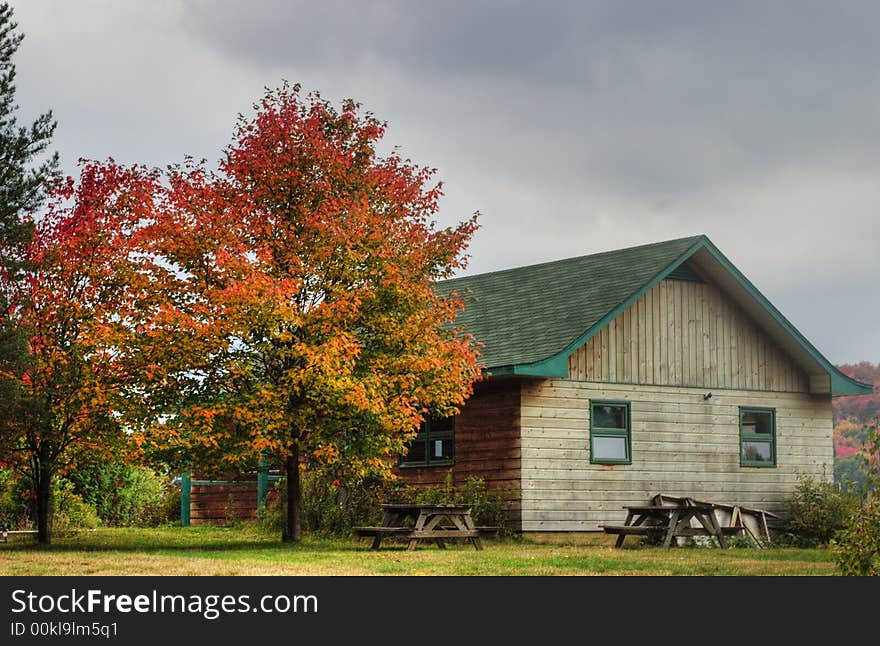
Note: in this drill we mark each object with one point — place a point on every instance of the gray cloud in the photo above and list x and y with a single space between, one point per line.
573 126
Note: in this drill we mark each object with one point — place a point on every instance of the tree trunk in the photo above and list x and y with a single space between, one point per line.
44 505
293 526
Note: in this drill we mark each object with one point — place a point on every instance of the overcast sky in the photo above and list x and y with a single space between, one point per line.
572 127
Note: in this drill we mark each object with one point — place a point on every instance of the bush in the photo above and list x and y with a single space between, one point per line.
18 505
487 506
71 511
817 510
850 472
126 495
856 549
170 510
16 501
332 507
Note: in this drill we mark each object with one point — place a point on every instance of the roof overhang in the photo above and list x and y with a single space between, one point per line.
705 257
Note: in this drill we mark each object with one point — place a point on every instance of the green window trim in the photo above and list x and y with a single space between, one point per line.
425 440
599 432
751 437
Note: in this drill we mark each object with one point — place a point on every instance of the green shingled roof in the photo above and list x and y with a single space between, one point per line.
530 319
528 314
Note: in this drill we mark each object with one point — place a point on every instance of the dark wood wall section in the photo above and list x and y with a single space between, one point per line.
225 504
487 445
216 505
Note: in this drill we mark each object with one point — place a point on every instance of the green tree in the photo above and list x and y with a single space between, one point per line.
22 180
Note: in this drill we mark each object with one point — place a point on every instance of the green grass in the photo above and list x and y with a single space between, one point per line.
247 550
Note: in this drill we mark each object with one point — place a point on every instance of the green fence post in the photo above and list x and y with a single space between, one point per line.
185 497
262 485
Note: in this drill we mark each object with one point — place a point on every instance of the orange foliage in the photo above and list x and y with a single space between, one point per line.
70 307
297 305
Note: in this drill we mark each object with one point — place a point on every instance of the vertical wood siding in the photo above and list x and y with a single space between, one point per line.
682 445
687 334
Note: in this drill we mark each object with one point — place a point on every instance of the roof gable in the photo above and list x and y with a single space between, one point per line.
527 314
531 319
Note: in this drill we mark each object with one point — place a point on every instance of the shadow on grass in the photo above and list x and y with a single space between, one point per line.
183 544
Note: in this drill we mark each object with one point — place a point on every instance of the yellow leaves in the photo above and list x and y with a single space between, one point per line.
326 453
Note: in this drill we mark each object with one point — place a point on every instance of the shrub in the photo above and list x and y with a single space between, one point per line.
125 495
487 506
71 511
330 506
817 510
333 507
856 549
17 504
850 471
170 510
16 501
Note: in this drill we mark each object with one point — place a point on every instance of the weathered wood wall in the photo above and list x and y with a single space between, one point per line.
681 445
487 445
224 504
687 334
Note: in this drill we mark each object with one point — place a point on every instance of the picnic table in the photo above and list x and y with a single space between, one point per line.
733 518
669 521
424 523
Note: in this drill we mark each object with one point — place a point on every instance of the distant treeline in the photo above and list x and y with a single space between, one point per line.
854 418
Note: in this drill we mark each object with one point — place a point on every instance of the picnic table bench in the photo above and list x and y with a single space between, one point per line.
668 521
423 523
670 517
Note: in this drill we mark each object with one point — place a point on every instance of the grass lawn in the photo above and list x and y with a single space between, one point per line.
247 550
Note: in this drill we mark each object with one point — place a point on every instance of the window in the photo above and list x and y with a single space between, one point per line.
433 446
610 433
757 437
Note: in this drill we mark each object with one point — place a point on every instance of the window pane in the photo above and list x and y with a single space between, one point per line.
441 450
609 416
757 452
609 448
757 422
416 451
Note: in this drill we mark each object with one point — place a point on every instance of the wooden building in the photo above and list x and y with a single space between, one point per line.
620 375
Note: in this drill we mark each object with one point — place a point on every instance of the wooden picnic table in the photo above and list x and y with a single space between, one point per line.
423 523
669 521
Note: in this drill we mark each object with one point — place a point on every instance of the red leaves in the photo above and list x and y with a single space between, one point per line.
74 300
286 297
301 274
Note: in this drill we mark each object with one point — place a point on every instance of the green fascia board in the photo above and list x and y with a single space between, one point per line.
557 364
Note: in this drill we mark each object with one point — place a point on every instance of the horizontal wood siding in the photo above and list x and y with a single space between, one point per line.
487 445
224 504
687 334
682 445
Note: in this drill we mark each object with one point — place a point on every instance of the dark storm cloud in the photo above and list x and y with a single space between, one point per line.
573 127
705 89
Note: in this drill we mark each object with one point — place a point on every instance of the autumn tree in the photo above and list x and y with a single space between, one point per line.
299 318
72 298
